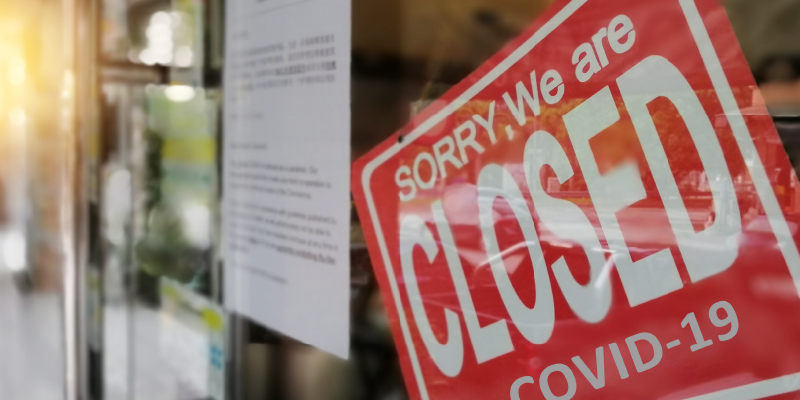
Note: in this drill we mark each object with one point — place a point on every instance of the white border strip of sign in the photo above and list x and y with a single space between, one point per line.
779 225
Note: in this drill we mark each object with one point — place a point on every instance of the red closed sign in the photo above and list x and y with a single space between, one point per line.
603 210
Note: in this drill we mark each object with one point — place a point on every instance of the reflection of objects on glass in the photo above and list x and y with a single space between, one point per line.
183 57
196 220
160 42
174 246
179 93
181 181
766 31
169 38
118 205
14 251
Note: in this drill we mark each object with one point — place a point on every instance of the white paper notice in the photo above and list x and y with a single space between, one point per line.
287 167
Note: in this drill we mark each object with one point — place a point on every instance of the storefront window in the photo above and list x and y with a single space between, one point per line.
409 58
404 199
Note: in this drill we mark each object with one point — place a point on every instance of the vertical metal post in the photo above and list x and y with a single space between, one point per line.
72 387
78 84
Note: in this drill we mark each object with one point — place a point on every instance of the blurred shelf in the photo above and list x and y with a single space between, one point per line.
112 71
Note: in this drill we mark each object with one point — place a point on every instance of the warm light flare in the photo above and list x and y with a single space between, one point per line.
16 71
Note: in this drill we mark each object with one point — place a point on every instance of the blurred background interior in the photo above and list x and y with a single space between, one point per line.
109 141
